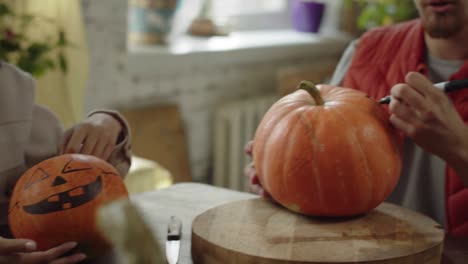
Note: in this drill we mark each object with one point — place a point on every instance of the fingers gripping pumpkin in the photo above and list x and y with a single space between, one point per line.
56 201
329 151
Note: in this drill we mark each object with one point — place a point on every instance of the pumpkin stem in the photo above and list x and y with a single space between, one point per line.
312 90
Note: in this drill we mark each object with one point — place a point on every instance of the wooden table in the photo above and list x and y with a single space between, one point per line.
187 200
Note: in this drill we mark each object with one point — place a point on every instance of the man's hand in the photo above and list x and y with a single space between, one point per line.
250 173
97 135
22 251
426 115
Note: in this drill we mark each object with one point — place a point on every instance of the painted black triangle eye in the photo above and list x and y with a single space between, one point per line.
59 180
72 166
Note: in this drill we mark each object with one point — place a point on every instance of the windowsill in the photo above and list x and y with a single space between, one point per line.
238 47
237 41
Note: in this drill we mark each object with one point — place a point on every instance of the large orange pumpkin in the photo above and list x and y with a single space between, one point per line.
56 200
327 151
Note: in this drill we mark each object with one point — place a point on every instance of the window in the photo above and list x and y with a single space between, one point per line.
237 15
251 14
251 24
248 15
242 7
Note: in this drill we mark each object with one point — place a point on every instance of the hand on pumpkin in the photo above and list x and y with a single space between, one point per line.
250 173
97 135
22 251
426 115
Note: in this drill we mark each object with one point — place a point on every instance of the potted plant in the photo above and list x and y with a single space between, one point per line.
362 15
33 55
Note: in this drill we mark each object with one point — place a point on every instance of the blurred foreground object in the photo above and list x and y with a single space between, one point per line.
123 225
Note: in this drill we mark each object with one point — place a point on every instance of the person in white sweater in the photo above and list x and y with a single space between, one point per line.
30 133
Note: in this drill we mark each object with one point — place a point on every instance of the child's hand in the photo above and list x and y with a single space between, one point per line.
97 135
22 251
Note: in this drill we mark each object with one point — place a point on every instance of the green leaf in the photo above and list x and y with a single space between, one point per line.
378 12
3 55
62 40
9 45
26 64
49 63
5 9
63 62
348 3
37 50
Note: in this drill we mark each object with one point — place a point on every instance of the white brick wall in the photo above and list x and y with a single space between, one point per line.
118 79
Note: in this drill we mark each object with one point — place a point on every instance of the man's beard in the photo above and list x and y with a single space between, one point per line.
443 25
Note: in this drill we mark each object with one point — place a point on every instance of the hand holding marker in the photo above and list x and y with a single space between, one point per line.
444 86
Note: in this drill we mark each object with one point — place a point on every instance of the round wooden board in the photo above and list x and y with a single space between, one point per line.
259 231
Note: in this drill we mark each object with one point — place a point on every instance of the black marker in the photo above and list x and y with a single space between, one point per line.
444 86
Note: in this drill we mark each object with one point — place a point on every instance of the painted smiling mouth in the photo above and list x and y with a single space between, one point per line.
66 200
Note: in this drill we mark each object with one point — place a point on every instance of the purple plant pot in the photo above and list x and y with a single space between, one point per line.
307 15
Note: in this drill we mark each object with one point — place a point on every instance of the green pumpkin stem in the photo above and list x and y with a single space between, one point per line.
312 90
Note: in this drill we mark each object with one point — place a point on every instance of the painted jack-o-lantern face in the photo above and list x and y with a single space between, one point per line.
56 201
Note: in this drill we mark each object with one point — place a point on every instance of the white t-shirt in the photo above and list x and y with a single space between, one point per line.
422 183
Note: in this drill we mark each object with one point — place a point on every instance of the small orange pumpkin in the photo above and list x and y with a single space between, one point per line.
327 151
56 201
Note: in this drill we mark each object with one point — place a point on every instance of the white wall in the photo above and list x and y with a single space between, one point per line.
198 84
